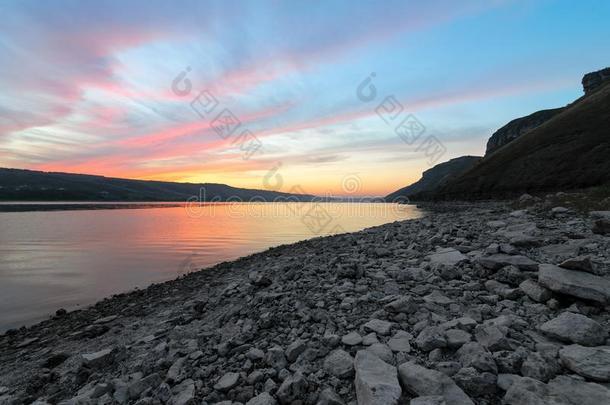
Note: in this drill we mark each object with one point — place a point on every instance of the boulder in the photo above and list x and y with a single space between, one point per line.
446 257
579 263
276 358
430 338
578 392
329 397
98 359
575 283
378 326
400 342
476 383
575 328
601 226
404 305
503 290
437 297
227 381
382 351
262 399
340 364
497 261
295 349
352 339
456 338
492 337
539 367
562 390
292 388
590 362
475 355
376 381
184 393
425 382
429 400
535 291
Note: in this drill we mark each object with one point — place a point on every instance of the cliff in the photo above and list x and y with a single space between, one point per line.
594 80
568 151
518 127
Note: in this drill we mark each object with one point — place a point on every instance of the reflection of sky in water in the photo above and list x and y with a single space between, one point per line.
50 260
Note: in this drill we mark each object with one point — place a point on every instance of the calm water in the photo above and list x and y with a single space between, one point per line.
66 259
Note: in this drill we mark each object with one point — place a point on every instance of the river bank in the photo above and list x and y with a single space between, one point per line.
466 305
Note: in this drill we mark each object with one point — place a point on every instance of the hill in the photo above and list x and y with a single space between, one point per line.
29 185
435 177
569 151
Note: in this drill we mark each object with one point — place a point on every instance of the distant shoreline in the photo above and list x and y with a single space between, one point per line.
36 206
44 206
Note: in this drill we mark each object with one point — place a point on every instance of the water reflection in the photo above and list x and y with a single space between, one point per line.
50 260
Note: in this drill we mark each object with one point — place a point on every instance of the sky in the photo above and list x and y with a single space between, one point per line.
321 97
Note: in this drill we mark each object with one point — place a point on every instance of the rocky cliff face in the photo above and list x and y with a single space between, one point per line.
435 177
518 127
569 151
593 80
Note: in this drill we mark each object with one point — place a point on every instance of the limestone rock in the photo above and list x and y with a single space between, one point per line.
340 364
376 381
227 381
378 326
429 400
575 283
400 342
329 397
295 349
476 383
425 382
497 261
292 388
97 359
405 305
562 390
575 328
262 399
535 291
352 339
430 338
382 351
447 257
590 362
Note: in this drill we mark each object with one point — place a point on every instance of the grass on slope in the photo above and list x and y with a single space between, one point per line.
570 151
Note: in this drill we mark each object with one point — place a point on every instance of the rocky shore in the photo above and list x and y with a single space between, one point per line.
489 303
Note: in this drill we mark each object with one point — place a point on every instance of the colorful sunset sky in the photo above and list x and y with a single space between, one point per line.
87 86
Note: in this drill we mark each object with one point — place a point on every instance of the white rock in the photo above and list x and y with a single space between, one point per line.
497 261
262 399
590 362
378 326
575 328
376 381
400 342
100 358
352 339
184 393
227 381
446 257
340 364
424 382
575 283
563 390
535 291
